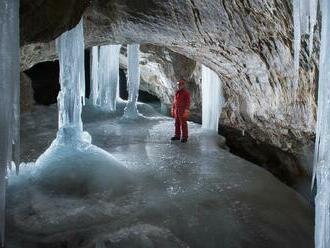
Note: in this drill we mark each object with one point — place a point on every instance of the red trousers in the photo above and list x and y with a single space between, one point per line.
181 127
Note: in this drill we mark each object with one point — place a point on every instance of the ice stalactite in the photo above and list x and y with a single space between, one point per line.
72 165
94 73
212 99
108 77
133 82
304 19
322 154
105 76
70 49
313 4
9 96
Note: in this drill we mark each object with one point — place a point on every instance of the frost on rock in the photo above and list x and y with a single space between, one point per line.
105 84
133 82
212 99
322 154
9 96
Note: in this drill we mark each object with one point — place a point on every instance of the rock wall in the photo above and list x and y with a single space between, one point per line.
247 42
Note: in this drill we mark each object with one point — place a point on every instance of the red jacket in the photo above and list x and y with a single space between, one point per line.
181 102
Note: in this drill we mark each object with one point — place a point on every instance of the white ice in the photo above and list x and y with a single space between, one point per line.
133 81
9 96
105 91
304 19
322 154
168 187
70 49
212 99
94 65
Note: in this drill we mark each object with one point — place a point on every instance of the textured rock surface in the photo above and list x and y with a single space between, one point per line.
44 20
248 43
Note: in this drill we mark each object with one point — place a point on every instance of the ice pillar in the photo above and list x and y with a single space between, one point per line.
94 74
212 99
133 81
304 20
108 77
9 95
322 152
70 48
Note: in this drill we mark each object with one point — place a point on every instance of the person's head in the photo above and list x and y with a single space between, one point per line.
181 84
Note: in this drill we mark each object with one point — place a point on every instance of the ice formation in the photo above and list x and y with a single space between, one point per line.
94 73
212 99
70 49
9 96
105 84
133 81
304 18
322 155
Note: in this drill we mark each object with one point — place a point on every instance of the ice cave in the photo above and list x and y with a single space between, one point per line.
164 124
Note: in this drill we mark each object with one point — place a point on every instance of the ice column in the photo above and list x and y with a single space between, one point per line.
108 77
9 95
70 49
133 81
94 73
322 152
312 22
212 99
304 19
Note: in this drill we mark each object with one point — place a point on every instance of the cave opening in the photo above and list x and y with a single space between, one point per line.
45 84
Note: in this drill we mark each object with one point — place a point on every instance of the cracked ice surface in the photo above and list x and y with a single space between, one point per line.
182 195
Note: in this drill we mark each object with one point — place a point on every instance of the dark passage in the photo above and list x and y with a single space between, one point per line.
45 80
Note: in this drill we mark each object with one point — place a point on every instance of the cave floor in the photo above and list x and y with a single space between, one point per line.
183 195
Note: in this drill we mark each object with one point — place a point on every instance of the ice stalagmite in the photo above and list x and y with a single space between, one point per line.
72 165
133 81
9 95
211 99
70 49
108 77
94 74
322 152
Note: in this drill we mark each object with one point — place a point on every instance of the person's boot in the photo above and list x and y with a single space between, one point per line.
184 140
175 138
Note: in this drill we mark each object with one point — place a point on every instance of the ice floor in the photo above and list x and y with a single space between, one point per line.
178 195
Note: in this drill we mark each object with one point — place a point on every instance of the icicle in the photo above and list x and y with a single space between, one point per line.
9 95
212 98
70 48
94 74
303 16
312 22
108 77
133 81
297 42
322 154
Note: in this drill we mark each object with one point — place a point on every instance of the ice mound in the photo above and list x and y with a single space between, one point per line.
73 166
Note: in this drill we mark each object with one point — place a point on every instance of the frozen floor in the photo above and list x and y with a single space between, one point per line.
175 195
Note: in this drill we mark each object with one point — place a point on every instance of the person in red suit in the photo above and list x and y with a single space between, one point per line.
180 111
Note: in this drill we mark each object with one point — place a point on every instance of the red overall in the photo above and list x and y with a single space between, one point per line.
180 104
